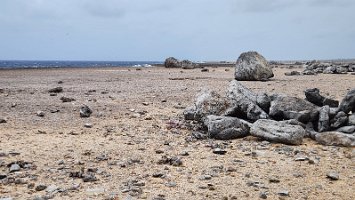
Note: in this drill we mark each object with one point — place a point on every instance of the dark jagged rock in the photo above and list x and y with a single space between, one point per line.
85 111
245 104
66 99
226 128
207 103
56 90
172 62
313 96
323 122
335 139
251 66
339 120
348 103
286 107
275 131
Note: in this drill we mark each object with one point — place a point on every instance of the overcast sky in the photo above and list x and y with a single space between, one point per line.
186 29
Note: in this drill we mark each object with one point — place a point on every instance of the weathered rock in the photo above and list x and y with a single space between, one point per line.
323 122
351 119
293 73
245 104
308 72
341 69
40 187
219 151
335 139
286 107
346 129
172 62
85 111
251 66
56 90
275 131
207 103
226 128
186 64
348 103
339 120
313 96
237 91
329 70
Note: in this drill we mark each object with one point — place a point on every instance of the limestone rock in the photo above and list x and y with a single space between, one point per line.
286 107
347 129
245 104
348 103
313 96
335 139
207 103
251 66
172 62
323 122
226 128
275 131
339 120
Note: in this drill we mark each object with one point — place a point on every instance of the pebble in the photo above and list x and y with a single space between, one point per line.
219 151
333 176
263 195
56 90
40 187
284 193
88 125
15 168
40 113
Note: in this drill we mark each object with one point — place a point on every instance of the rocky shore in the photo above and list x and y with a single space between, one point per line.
120 133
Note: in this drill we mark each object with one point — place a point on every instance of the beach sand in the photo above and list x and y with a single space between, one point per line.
133 119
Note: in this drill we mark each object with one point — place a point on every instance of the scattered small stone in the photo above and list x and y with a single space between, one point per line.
2 176
41 132
60 82
85 111
88 125
174 161
13 105
219 151
333 176
53 94
14 168
40 187
56 90
66 99
145 103
171 184
274 180
283 193
89 177
40 113
205 70
263 195
158 175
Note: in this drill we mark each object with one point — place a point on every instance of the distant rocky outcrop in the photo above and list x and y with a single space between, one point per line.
172 62
251 66
275 118
316 67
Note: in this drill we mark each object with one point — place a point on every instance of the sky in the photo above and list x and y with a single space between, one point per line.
199 30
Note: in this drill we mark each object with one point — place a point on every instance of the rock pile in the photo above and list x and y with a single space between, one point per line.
251 66
315 67
172 62
275 117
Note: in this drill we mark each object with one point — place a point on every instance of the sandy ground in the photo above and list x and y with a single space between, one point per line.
134 114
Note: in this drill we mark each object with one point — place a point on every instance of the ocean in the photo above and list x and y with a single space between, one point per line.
23 64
